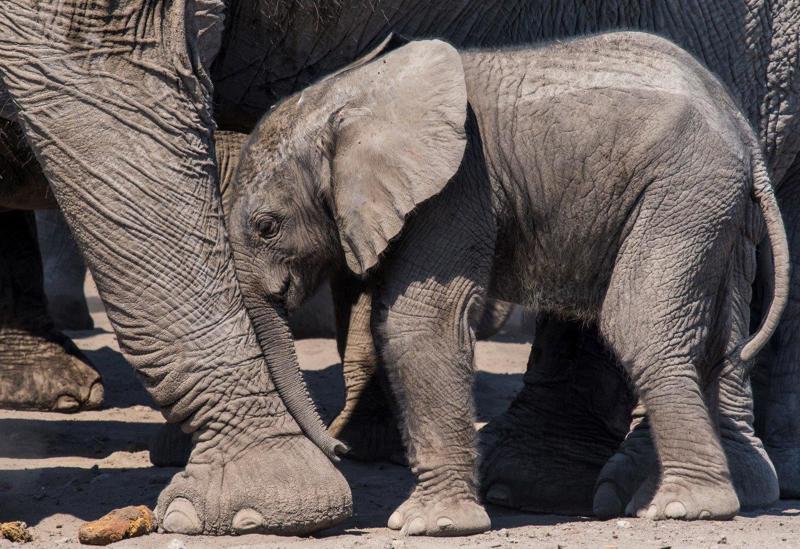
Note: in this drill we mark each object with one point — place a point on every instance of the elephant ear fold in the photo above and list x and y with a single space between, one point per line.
388 44
397 142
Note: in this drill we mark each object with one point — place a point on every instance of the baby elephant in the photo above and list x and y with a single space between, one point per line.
609 178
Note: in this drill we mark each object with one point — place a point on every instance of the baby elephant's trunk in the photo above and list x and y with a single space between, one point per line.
272 331
765 194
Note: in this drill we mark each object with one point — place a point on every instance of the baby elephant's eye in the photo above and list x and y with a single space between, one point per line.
266 226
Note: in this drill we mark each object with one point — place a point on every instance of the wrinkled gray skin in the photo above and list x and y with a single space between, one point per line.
447 172
136 136
40 368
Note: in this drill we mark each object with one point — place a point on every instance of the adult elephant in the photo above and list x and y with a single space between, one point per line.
115 99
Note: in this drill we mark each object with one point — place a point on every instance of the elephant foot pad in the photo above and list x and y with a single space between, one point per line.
426 515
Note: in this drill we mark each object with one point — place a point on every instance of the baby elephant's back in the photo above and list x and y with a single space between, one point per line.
586 132
603 116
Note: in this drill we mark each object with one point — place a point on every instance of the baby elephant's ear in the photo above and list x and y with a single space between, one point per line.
395 144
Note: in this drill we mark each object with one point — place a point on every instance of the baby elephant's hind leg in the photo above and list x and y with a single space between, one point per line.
661 317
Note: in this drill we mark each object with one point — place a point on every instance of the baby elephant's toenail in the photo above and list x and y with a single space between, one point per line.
181 518
652 512
247 520
444 523
395 521
705 514
675 510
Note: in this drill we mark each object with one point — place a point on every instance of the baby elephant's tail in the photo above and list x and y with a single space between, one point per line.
765 195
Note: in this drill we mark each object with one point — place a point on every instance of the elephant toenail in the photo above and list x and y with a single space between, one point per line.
416 527
705 514
499 493
652 512
395 521
96 395
607 503
66 403
247 520
444 523
675 510
181 518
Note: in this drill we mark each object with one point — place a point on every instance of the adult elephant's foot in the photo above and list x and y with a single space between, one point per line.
787 467
170 446
630 478
368 426
69 312
274 485
753 474
545 452
46 371
536 470
428 512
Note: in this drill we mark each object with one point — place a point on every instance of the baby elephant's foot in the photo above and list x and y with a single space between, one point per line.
46 371
282 485
686 500
424 514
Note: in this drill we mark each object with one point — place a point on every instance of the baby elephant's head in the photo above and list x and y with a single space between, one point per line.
329 175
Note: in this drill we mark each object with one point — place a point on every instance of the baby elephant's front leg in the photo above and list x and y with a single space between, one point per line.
429 356
432 283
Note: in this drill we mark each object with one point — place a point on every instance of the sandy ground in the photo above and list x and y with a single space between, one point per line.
61 470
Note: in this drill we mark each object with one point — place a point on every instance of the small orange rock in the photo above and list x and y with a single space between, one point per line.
15 531
128 522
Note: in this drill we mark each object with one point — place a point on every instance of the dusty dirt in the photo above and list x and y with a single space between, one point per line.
58 471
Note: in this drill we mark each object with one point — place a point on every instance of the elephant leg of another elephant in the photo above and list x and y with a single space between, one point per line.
776 377
170 446
40 368
64 272
495 314
545 452
367 423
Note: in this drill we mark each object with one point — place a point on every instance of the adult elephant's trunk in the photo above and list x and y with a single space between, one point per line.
273 333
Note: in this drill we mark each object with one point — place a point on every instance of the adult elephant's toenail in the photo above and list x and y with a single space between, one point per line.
444 523
181 518
675 510
395 521
607 503
705 514
416 527
96 395
66 403
247 520
652 512
499 494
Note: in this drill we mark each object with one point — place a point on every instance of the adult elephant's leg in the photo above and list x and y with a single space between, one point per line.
367 423
39 367
64 272
545 452
116 105
776 377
